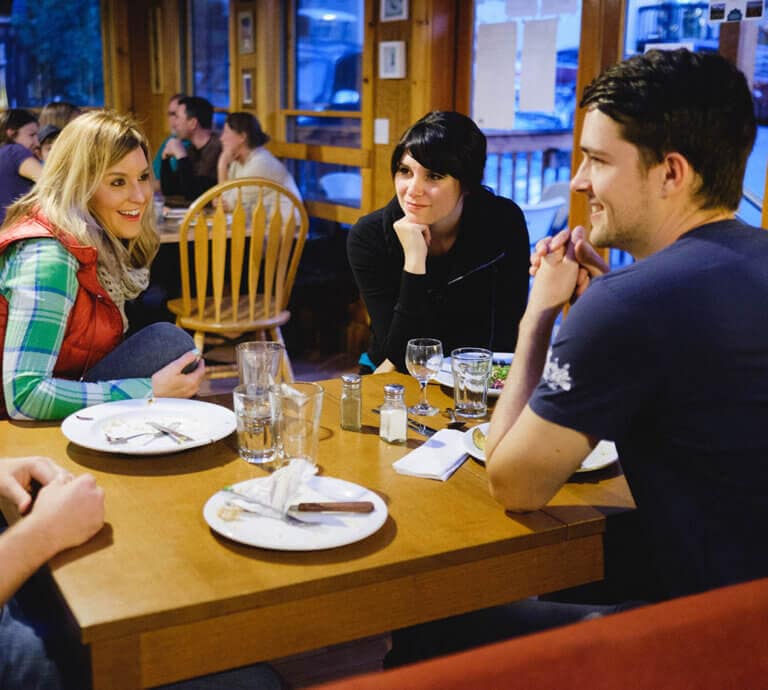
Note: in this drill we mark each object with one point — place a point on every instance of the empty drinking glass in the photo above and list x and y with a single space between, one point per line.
423 357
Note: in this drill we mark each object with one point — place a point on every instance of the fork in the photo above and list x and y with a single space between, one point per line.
117 440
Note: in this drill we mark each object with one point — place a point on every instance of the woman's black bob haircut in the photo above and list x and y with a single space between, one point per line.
448 143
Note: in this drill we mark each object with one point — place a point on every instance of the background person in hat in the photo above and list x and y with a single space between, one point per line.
46 136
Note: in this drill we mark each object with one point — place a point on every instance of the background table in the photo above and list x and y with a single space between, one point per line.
159 597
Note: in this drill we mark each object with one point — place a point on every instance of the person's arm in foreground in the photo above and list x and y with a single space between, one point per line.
41 289
66 512
529 458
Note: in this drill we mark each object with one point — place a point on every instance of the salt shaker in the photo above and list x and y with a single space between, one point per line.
393 415
351 402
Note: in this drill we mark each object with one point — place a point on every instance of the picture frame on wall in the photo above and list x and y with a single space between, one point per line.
245 32
246 87
393 10
392 60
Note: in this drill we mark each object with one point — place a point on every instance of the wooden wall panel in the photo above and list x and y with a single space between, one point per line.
601 45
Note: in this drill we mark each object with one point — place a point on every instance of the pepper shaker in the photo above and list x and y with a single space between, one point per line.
351 402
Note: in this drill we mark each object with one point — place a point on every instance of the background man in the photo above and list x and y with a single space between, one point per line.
196 166
669 356
157 162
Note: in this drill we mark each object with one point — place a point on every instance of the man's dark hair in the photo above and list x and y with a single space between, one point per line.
695 104
199 108
447 143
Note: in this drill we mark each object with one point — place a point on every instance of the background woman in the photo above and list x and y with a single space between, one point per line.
243 155
72 252
446 258
19 168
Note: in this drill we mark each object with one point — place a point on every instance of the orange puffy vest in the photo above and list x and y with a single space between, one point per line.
95 326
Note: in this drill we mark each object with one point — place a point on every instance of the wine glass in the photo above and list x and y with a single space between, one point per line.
423 357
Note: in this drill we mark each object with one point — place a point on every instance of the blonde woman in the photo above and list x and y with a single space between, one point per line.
72 252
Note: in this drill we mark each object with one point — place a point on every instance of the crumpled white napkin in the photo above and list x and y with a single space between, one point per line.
283 486
437 458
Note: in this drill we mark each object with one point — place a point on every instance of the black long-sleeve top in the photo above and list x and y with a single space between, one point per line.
472 296
195 173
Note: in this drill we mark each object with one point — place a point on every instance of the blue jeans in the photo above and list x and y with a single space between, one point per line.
25 663
143 353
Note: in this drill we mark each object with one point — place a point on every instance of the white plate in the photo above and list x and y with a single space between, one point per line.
204 422
326 530
445 375
603 454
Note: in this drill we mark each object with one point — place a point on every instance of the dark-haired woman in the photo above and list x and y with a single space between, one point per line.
243 155
19 168
446 258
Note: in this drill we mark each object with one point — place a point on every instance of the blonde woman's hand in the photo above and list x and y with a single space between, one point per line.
415 239
171 382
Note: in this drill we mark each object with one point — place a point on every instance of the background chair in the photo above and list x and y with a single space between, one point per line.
539 217
553 190
258 250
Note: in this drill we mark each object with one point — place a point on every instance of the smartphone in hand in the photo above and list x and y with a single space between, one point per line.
191 366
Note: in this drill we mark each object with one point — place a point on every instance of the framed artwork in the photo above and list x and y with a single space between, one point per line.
394 10
392 60
246 87
245 32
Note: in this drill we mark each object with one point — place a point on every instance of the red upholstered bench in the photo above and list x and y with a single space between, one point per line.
712 641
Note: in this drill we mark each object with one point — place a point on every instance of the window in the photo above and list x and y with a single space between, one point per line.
324 99
51 51
530 149
210 50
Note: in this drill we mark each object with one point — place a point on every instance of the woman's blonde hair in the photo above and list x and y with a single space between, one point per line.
86 148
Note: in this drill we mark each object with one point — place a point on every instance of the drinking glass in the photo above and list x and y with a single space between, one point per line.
423 357
257 417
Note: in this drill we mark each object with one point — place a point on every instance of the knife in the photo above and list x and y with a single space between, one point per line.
177 436
310 507
418 427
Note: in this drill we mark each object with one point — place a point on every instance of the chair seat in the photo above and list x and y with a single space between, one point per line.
227 324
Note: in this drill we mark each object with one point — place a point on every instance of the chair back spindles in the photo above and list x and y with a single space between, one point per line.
267 250
201 262
258 233
237 252
218 259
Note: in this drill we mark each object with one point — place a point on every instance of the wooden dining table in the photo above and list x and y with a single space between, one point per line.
159 597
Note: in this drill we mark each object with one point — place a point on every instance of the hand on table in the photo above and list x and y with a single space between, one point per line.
17 475
171 382
68 511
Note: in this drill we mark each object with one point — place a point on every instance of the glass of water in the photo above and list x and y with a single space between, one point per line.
471 368
423 357
256 424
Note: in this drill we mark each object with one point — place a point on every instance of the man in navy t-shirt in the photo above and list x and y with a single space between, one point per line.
669 356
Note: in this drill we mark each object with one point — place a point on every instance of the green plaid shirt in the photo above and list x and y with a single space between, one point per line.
38 278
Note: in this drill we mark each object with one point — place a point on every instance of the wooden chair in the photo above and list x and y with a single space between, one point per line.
265 244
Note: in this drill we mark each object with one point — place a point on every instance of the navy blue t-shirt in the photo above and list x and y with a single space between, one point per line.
669 358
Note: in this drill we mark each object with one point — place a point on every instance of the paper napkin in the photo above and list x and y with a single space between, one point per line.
283 486
437 458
